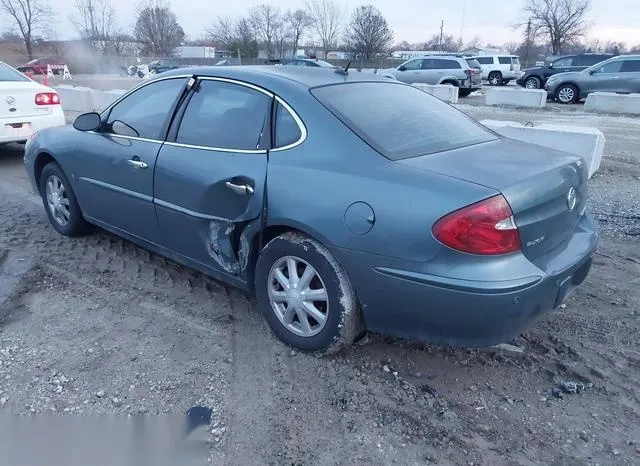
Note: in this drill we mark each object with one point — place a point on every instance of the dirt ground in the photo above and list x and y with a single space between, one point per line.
100 326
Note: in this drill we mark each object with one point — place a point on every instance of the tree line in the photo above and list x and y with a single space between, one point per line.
548 26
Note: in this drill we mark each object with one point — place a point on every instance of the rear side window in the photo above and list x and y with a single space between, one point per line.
400 121
10 74
443 64
224 116
287 130
146 109
485 60
473 63
630 66
504 60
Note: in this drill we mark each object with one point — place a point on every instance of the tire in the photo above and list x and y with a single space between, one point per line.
495 78
532 82
567 94
464 92
339 320
68 219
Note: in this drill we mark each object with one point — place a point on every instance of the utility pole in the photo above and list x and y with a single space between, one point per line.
441 33
528 43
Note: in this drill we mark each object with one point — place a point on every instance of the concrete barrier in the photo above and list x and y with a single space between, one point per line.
75 99
582 141
445 92
609 102
535 98
102 99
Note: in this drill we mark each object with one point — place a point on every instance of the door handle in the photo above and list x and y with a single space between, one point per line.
239 188
137 163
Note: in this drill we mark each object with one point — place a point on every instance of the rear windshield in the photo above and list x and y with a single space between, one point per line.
10 74
400 121
473 63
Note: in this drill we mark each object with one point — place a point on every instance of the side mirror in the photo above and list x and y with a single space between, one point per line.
402 68
123 129
87 122
592 72
550 66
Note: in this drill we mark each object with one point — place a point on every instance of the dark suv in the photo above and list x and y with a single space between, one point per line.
160 66
535 78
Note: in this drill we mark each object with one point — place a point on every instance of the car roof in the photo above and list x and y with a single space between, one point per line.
264 74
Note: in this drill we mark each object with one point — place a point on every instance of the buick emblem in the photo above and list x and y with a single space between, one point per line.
571 198
10 100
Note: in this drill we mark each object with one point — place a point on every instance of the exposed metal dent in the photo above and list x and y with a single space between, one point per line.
220 247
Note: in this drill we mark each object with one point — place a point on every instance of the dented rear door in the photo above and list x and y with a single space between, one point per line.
210 174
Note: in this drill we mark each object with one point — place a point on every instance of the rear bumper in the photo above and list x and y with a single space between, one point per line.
30 125
451 311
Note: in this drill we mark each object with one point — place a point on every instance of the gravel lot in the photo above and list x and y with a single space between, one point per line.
99 326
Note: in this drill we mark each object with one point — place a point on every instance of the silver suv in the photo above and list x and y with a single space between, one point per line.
620 74
465 73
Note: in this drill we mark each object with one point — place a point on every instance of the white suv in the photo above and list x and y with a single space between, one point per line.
499 69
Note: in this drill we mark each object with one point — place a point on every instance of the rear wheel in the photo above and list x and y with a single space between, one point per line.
567 94
305 295
532 83
495 78
60 202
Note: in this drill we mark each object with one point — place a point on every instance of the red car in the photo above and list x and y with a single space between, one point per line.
39 66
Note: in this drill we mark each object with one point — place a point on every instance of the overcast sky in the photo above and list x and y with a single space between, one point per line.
411 20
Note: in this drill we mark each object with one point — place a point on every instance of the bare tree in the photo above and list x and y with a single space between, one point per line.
474 43
95 20
157 28
327 18
30 17
561 22
443 43
234 35
368 33
511 47
298 22
267 22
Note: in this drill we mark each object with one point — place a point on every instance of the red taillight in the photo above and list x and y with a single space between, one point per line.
486 227
47 98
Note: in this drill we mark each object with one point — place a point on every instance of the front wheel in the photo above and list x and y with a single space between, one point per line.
464 92
60 202
305 295
567 94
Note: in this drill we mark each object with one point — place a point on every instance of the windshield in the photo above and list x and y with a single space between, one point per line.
10 74
400 121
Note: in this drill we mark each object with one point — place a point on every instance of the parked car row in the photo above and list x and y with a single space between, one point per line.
456 70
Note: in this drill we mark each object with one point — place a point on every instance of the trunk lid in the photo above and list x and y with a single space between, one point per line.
546 189
18 99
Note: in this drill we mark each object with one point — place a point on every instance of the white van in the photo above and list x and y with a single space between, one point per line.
499 69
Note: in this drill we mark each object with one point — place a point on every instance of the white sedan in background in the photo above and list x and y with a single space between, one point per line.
25 106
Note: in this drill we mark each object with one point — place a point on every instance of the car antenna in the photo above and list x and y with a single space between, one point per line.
344 71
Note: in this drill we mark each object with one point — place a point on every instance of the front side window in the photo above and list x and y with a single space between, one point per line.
400 121
224 116
485 60
563 62
287 130
146 109
413 65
